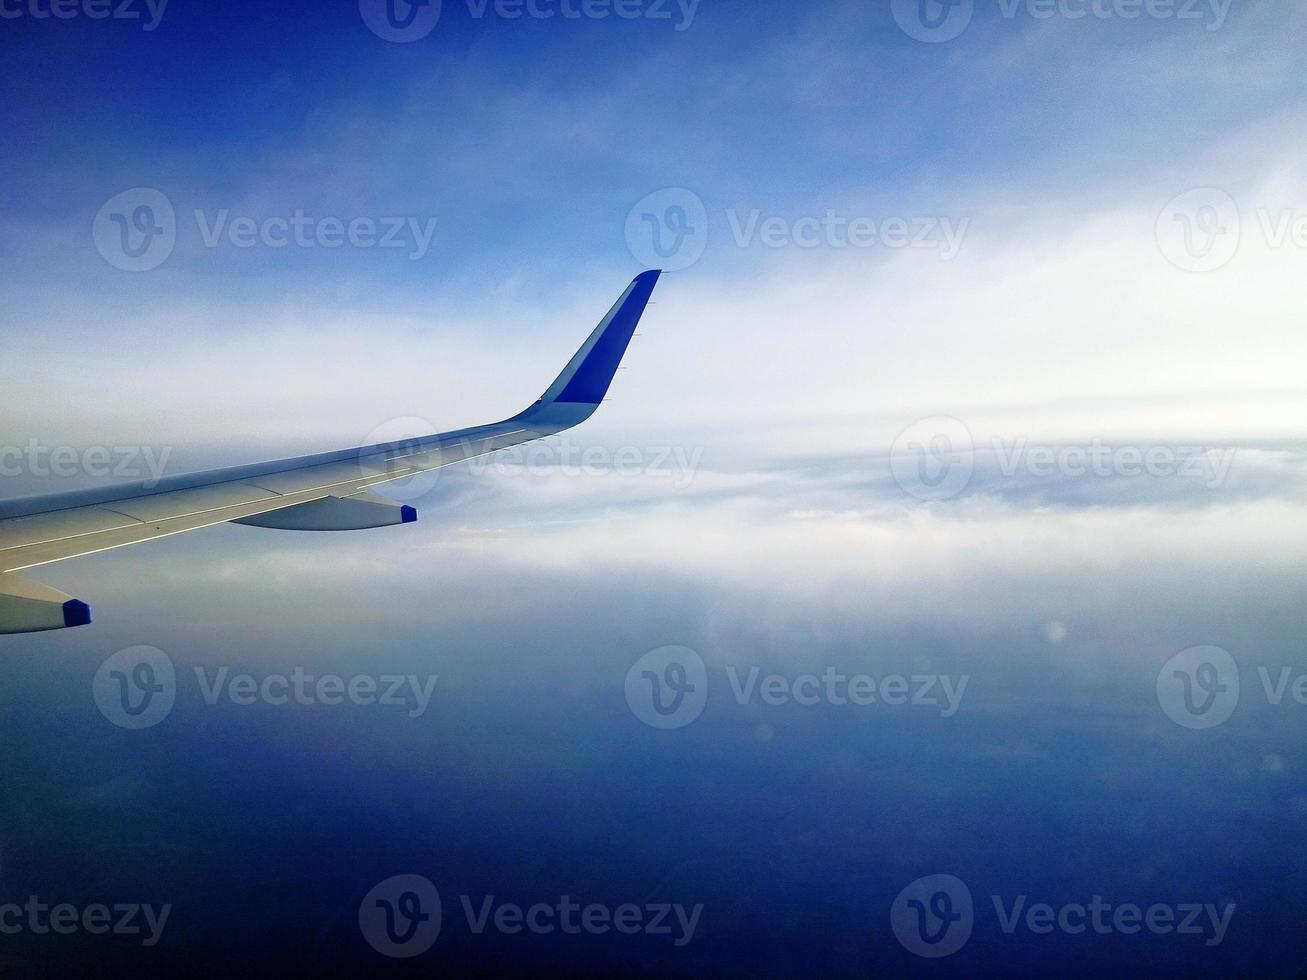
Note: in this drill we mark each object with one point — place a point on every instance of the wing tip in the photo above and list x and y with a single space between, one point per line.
76 613
587 376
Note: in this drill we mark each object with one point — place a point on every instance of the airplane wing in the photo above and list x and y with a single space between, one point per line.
324 492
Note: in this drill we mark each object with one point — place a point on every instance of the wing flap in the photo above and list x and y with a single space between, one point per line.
21 531
75 546
30 607
353 513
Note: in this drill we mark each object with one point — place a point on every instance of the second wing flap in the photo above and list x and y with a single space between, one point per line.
352 513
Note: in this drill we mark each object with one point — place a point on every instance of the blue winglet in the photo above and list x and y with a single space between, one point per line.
407 514
599 359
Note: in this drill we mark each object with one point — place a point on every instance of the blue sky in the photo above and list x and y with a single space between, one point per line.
530 139
521 146
1113 221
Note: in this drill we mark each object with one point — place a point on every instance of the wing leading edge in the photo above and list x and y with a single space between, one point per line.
327 491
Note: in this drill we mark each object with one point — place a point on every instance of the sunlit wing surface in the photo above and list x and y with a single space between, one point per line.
325 492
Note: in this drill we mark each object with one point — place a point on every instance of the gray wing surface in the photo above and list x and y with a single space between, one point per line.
324 492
